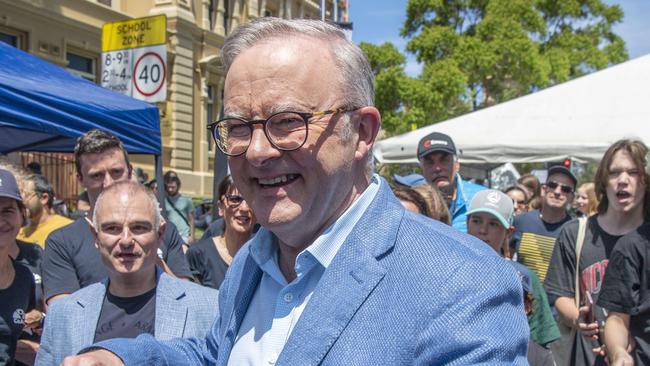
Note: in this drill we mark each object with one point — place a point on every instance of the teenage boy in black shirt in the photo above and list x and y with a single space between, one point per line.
621 188
71 260
626 295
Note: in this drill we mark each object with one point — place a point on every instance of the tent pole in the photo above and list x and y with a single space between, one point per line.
220 172
160 184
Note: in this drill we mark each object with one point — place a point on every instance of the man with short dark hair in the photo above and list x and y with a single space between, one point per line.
136 298
71 260
179 209
536 230
39 196
438 159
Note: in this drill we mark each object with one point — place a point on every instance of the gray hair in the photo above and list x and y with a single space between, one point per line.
132 189
41 185
355 74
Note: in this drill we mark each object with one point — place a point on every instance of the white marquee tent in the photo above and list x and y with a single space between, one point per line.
578 119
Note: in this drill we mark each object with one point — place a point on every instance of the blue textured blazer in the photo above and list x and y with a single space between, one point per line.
183 309
402 290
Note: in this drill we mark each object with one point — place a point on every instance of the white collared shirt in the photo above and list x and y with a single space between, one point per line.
277 305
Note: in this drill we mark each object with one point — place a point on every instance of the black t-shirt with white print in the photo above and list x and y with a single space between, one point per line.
126 317
627 288
15 301
594 257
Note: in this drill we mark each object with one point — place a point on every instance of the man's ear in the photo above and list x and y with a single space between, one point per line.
369 121
161 228
130 168
44 198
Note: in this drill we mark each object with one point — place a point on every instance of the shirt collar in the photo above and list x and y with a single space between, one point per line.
325 247
264 245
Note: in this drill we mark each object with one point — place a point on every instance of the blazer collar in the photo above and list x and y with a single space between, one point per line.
90 306
171 311
354 273
171 308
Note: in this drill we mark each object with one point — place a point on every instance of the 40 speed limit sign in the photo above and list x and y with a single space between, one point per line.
134 58
149 73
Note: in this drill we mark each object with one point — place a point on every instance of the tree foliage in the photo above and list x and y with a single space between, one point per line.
476 53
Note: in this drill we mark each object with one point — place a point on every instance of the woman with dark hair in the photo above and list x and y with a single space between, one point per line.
16 280
519 196
534 190
210 258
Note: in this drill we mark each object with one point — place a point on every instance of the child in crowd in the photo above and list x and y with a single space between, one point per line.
489 218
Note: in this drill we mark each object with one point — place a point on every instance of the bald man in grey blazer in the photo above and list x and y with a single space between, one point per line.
137 297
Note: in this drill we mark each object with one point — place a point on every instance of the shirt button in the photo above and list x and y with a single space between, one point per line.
272 358
288 297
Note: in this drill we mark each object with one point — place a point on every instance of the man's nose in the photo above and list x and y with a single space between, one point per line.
108 180
126 238
260 149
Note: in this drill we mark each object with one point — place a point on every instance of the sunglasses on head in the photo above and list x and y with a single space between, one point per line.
563 187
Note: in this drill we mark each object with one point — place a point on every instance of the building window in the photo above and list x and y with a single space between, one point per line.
13 38
83 66
105 2
9 39
210 115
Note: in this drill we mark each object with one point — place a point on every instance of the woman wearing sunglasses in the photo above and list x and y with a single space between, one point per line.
210 258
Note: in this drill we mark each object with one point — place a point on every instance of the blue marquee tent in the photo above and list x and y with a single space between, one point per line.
45 108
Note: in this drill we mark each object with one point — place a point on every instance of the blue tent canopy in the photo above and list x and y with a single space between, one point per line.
43 107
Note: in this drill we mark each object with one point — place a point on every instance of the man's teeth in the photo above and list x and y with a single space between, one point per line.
276 180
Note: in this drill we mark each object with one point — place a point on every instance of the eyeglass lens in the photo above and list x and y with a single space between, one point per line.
286 131
563 187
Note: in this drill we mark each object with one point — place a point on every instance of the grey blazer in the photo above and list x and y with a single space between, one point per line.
183 309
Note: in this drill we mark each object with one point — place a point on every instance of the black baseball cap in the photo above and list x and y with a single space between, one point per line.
561 169
435 141
8 185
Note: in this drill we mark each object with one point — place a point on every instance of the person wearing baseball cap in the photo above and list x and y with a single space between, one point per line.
489 218
438 159
537 230
16 280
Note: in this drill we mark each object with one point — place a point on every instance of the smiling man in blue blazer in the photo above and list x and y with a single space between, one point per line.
137 297
340 273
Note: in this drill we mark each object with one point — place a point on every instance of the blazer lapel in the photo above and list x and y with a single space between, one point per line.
346 284
171 310
250 276
87 316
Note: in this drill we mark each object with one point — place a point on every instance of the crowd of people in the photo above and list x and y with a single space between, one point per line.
308 256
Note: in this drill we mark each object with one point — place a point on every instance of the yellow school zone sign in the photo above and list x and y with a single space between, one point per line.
134 58
134 33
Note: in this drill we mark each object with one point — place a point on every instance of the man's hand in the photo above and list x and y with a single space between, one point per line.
589 330
33 319
100 357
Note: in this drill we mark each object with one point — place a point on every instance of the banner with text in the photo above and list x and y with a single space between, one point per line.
134 58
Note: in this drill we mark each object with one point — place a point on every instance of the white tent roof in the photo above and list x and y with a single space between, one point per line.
578 119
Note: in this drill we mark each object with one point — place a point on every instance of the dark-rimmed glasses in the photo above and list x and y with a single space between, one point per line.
286 131
233 200
563 187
